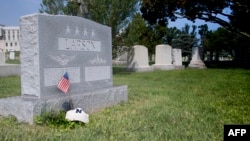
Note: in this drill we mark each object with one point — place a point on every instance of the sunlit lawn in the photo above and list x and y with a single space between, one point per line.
163 106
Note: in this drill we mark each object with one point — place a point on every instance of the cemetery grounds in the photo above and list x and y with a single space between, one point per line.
179 105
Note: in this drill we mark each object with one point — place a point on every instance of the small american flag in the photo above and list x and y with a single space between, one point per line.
64 83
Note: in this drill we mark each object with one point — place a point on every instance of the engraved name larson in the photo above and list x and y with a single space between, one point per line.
79 45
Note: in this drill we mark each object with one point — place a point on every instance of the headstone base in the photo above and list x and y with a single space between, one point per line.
119 62
163 67
181 67
25 110
197 64
140 69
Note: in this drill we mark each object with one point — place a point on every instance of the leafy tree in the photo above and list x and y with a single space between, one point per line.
203 31
66 7
221 41
131 35
114 13
158 11
172 33
240 12
73 8
138 32
186 40
135 31
53 7
154 35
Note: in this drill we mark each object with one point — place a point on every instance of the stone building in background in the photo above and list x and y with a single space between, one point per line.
9 38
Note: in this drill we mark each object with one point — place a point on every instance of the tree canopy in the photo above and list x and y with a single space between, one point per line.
186 39
53 7
108 12
160 11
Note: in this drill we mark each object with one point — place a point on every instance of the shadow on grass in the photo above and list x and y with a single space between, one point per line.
120 70
226 65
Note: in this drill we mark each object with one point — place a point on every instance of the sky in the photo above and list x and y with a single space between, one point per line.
180 23
12 10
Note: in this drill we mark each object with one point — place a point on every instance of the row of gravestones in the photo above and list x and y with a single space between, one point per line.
166 58
3 57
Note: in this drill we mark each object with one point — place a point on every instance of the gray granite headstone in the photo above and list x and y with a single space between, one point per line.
59 44
52 45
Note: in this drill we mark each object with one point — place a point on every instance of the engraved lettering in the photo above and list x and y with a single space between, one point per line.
78 45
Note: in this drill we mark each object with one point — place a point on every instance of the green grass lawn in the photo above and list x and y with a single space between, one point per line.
10 86
181 105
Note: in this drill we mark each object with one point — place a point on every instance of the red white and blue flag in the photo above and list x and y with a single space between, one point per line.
64 83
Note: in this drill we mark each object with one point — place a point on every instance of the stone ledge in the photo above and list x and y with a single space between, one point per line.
180 67
197 64
25 110
163 67
140 69
10 69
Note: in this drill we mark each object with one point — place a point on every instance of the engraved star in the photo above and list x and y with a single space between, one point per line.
93 34
77 32
85 33
68 30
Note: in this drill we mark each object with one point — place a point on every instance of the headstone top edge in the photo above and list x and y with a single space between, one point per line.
135 46
163 45
48 15
32 14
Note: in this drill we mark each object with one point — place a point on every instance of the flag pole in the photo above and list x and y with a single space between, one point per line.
71 105
64 86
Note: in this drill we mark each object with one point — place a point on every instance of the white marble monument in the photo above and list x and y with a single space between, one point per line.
177 58
138 59
12 55
122 56
163 58
196 61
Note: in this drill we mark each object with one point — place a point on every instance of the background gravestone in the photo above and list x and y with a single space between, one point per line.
163 58
121 56
12 55
52 45
196 61
177 58
138 59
